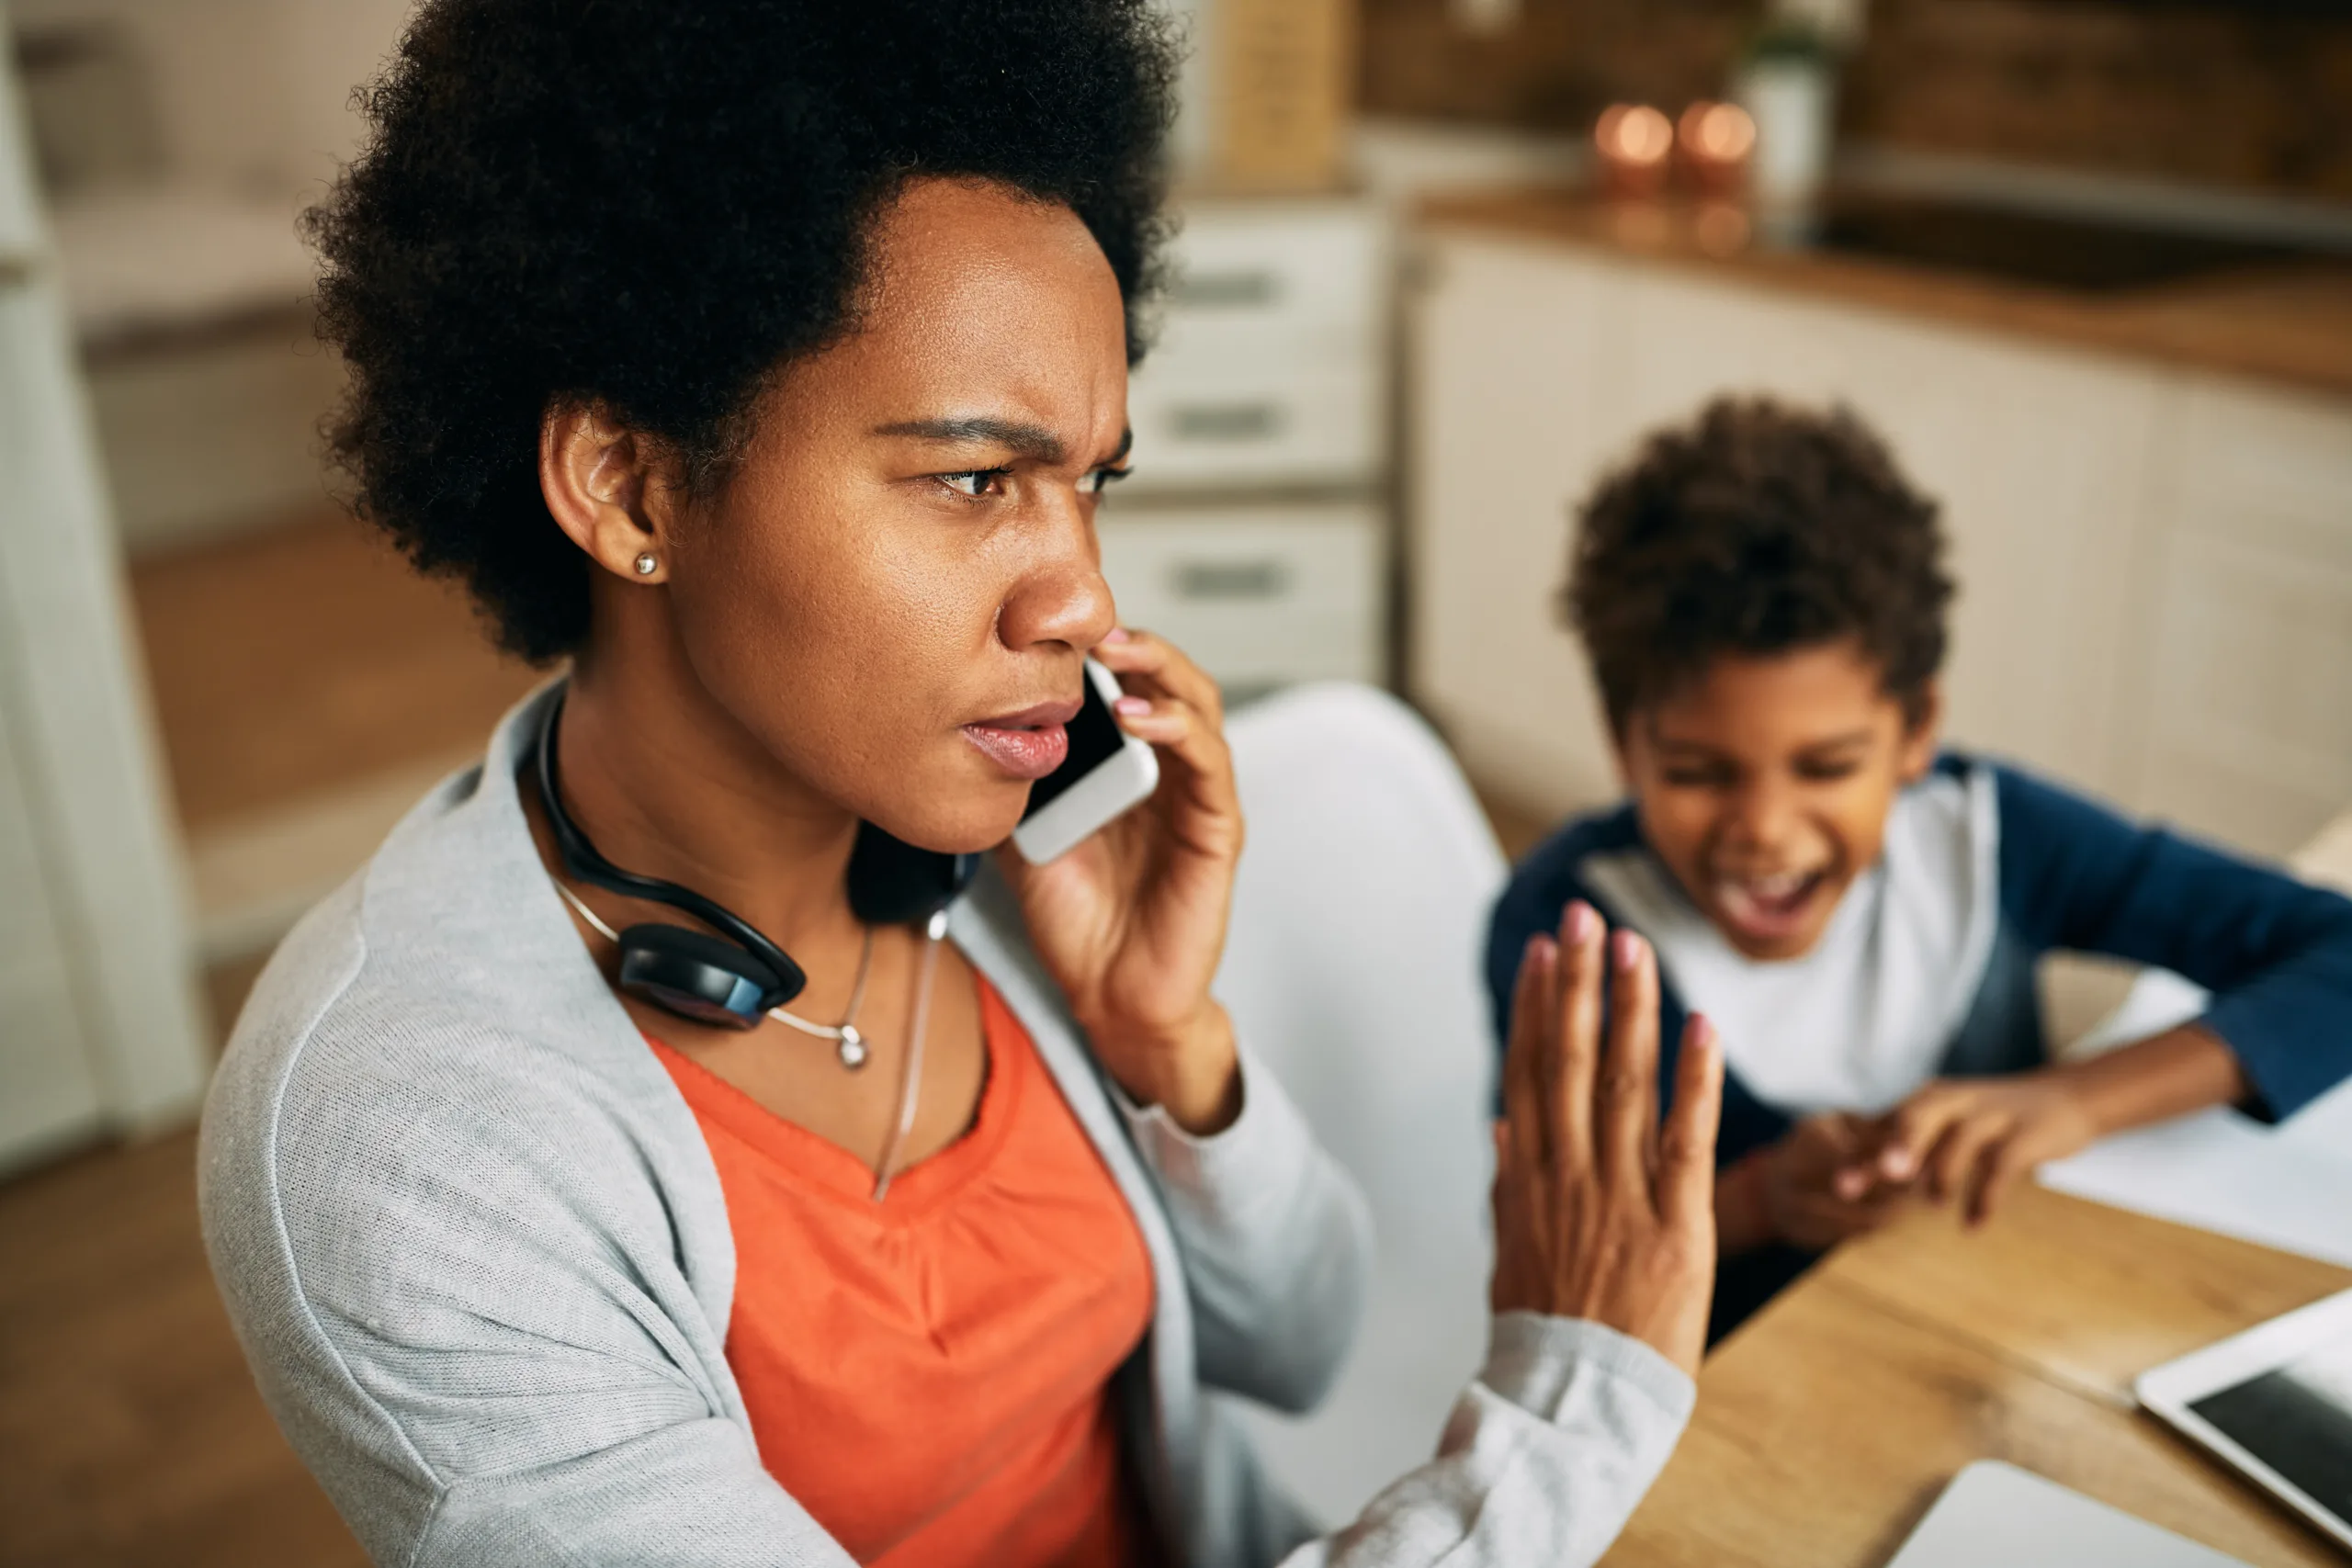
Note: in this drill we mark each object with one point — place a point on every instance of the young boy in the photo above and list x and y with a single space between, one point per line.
1762 597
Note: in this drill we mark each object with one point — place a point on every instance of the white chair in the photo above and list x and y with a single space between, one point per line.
1352 969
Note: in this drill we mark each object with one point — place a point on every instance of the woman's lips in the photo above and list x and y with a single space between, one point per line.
1029 744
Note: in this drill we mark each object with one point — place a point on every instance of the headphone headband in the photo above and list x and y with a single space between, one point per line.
582 860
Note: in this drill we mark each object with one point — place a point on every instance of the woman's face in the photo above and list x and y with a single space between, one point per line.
896 589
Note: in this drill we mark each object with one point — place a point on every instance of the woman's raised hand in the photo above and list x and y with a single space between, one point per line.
1599 1212
1131 923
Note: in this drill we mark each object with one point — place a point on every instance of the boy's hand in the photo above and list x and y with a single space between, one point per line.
1804 1198
1969 1138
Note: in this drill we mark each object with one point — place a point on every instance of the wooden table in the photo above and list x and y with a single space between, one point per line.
1829 1424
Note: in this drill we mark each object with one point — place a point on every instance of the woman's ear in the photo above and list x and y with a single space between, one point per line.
1924 731
608 489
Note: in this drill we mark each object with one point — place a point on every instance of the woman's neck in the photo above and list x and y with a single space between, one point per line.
669 785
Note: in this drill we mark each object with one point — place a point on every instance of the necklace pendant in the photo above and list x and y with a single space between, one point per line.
851 1049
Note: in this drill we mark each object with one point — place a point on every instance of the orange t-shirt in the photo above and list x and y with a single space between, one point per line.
929 1375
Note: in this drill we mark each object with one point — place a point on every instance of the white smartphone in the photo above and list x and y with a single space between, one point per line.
1107 772
2276 1402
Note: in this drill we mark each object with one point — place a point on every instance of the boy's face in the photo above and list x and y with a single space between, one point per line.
1765 784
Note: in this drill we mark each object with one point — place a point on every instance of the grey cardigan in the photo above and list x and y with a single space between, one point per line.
479 1258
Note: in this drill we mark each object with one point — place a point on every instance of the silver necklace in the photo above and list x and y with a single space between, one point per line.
849 1045
911 1070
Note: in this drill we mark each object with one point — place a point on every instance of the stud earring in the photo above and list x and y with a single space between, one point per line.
646 564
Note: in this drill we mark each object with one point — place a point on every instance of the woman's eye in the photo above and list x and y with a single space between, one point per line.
1697 778
1101 480
976 482
1829 773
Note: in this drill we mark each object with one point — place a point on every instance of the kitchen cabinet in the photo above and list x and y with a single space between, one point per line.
2154 564
1514 411
2249 696
1254 533
1268 596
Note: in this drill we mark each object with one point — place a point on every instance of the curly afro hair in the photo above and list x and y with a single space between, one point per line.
650 206
1757 529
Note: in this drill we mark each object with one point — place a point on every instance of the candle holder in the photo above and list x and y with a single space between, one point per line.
1634 143
1713 144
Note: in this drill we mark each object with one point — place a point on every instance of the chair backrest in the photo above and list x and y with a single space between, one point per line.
1352 970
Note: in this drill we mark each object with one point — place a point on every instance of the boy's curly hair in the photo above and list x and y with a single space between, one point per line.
1757 529
651 206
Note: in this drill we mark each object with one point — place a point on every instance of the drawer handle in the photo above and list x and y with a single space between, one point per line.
1226 421
1266 578
1224 290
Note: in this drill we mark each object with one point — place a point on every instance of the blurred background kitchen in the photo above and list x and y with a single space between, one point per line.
2087 262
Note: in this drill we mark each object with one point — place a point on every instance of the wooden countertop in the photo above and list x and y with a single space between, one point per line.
2289 324
1829 1423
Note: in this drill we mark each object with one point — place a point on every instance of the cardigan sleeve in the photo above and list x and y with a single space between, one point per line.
1543 1459
1276 1239
2274 952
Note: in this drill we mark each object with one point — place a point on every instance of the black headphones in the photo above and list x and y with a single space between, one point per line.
731 980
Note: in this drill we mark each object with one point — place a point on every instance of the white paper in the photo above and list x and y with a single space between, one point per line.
2288 1187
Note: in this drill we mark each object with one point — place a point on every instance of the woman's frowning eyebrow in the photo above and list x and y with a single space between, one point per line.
1033 442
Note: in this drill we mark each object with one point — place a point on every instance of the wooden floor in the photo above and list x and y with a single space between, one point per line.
291 663
295 660
131 1433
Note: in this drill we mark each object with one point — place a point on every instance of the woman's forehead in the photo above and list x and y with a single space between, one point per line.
982 301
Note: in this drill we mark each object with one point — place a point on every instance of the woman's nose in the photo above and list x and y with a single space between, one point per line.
1062 598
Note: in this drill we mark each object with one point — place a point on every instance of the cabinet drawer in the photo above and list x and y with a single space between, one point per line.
1287 272
1257 597
1316 425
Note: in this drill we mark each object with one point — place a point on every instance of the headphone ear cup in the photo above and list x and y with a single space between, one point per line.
701 978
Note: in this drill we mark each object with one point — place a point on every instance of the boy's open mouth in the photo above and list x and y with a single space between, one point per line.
1770 908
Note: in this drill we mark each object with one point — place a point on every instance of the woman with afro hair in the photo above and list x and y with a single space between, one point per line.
677 1146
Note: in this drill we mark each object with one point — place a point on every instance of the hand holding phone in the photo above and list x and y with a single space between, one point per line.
1106 772
1125 874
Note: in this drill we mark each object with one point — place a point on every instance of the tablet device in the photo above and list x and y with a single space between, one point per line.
2275 1402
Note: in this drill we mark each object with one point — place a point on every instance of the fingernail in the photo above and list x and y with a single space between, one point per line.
1625 947
1132 706
1118 634
1898 1162
1581 919
1542 948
